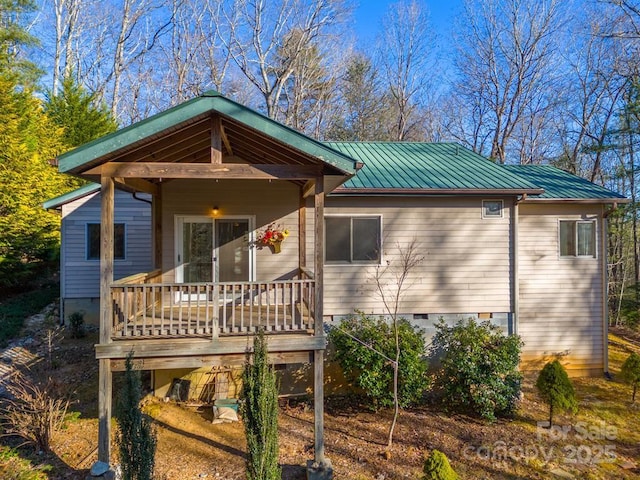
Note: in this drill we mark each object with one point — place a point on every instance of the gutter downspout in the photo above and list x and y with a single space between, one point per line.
605 286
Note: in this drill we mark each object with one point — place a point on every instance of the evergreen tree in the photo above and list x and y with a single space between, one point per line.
74 110
29 236
437 467
630 372
136 439
13 38
556 389
260 413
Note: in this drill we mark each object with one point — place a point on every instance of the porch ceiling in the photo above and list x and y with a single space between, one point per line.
209 129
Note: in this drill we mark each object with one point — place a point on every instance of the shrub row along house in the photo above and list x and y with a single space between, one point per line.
522 246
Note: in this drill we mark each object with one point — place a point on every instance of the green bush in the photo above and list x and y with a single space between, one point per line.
372 372
556 389
630 372
437 467
76 322
259 409
136 438
478 368
12 467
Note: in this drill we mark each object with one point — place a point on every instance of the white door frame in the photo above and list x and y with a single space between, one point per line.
179 221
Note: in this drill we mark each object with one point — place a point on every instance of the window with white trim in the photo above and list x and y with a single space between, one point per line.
93 241
492 208
577 238
353 239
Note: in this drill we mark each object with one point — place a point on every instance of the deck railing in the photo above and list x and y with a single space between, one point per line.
152 310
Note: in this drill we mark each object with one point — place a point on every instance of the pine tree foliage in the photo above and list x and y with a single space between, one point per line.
74 109
437 467
29 236
136 438
13 38
556 389
630 373
260 414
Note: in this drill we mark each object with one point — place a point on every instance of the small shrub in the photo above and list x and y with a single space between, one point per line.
35 411
437 467
630 373
371 371
76 322
478 368
259 409
556 389
12 467
136 438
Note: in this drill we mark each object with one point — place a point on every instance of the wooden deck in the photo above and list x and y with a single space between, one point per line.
178 321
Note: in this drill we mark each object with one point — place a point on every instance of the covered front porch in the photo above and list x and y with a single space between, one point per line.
219 175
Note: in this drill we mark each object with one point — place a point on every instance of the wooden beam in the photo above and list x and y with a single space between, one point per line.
208 361
309 188
157 228
137 185
318 267
302 231
210 171
318 406
318 357
106 258
172 347
106 319
225 140
216 142
104 410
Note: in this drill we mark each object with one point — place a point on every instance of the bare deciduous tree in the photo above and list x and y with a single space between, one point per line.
260 31
506 62
406 62
391 281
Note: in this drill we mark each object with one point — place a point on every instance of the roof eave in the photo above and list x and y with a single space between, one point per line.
81 158
69 197
435 191
577 200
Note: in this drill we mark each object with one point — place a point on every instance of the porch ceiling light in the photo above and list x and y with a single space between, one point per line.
216 210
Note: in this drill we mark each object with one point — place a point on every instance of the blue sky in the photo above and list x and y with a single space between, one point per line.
369 14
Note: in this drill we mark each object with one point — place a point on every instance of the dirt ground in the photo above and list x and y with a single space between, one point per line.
601 442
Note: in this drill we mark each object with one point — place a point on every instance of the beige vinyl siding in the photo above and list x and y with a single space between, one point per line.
466 265
560 307
81 277
269 202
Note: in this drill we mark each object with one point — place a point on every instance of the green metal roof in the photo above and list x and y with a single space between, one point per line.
561 185
211 101
400 167
60 200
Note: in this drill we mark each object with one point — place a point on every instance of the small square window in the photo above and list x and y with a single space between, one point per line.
93 241
492 208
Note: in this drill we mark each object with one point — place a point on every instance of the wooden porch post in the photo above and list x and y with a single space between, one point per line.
318 357
106 319
302 231
157 228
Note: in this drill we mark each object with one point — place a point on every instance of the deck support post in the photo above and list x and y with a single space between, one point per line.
320 468
106 317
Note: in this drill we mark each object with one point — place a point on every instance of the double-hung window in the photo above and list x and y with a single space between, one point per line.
93 241
577 238
353 239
